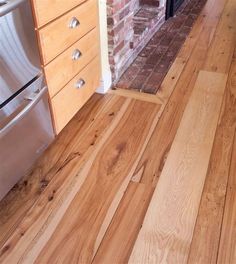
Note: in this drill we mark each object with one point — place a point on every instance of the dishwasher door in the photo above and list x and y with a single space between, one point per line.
25 132
19 56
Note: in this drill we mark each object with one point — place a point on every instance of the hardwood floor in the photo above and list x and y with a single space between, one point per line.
140 178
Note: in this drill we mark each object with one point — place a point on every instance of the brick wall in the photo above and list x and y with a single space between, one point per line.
120 14
120 33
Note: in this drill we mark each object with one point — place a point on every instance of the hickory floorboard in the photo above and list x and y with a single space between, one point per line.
227 248
168 226
117 244
59 154
89 186
88 195
56 165
150 166
204 247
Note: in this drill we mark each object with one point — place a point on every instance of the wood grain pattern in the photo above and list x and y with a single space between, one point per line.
150 166
120 237
87 197
50 37
66 155
61 70
12 210
204 247
136 95
39 227
220 53
168 238
227 249
47 10
105 166
70 99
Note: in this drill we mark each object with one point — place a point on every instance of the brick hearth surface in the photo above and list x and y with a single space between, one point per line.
148 70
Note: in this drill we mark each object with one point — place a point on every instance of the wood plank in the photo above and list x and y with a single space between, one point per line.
119 150
94 206
136 95
150 166
120 237
169 223
204 247
227 249
221 51
209 16
53 179
171 79
29 189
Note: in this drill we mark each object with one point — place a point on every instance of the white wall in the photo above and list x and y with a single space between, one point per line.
106 82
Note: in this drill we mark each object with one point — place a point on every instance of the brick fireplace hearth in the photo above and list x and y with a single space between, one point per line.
131 24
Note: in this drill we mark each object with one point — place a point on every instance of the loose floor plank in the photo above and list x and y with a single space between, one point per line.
204 247
227 249
169 223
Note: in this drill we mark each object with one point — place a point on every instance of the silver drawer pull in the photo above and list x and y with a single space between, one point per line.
74 23
80 83
76 54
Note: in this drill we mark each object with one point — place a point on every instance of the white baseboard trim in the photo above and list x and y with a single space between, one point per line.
105 83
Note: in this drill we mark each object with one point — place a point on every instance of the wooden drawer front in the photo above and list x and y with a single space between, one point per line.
70 99
58 36
47 10
61 70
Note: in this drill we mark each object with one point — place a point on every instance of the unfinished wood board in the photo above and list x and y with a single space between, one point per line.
120 237
169 223
136 95
227 249
150 166
204 246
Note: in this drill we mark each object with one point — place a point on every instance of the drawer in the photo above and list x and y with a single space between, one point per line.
66 30
70 99
71 62
47 10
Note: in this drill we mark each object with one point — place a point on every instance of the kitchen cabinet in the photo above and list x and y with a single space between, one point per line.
68 36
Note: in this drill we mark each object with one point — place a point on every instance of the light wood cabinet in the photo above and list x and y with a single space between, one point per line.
66 30
68 36
47 10
70 62
66 103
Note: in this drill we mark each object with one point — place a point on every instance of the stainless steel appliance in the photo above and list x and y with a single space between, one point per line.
25 122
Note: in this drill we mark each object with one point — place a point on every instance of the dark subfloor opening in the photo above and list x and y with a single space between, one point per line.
150 67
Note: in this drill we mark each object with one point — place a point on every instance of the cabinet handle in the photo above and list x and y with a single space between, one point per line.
80 83
74 23
76 54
